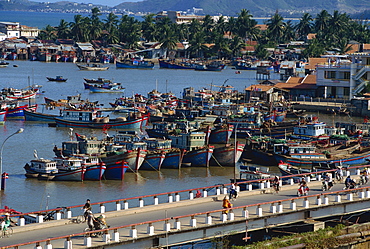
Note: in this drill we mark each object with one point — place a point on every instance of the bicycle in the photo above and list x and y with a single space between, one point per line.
80 218
273 190
6 232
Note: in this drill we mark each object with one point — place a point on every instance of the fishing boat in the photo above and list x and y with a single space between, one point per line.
227 155
92 118
3 64
14 110
116 171
173 159
94 168
69 169
157 150
34 116
171 64
2 117
57 79
98 81
135 64
40 166
221 133
92 67
251 172
214 66
106 89
16 94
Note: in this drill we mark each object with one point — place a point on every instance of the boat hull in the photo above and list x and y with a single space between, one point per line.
199 157
225 155
94 172
133 158
133 66
115 171
153 161
70 175
39 117
131 124
172 160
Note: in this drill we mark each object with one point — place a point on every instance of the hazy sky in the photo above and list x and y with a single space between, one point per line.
110 3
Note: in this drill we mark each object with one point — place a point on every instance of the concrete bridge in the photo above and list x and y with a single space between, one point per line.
177 217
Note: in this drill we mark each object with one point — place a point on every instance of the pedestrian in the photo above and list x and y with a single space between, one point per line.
86 207
226 204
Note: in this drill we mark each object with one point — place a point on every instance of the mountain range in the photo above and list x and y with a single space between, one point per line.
287 8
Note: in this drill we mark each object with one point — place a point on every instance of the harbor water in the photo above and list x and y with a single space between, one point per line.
31 194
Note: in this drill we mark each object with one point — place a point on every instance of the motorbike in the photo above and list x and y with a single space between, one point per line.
302 190
325 185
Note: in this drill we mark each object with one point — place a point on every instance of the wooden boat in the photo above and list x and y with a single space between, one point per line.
157 150
221 133
173 159
16 94
16 111
39 117
2 116
97 81
3 63
171 64
214 66
57 79
135 64
91 118
116 171
92 67
40 166
227 155
106 89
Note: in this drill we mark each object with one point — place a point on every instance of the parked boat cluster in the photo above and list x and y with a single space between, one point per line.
163 131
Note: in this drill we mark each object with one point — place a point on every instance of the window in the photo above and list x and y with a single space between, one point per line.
346 75
330 74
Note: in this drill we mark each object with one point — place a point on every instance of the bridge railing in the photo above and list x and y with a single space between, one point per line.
208 218
71 212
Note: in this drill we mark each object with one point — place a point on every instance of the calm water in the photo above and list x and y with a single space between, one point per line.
30 194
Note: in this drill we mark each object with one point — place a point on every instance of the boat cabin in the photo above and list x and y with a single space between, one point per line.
70 148
87 115
188 141
158 143
44 166
310 129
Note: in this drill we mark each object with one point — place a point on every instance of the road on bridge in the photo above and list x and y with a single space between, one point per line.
137 215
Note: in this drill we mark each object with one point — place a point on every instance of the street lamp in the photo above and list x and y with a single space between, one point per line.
1 155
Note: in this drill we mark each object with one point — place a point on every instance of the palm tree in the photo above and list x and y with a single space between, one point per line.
197 45
275 28
236 44
261 52
304 27
245 25
63 30
168 39
49 33
221 46
79 28
315 49
321 21
148 27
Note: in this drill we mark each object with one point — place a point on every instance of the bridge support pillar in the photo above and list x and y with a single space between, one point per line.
338 198
318 177
48 245
361 194
273 208
231 215
268 184
177 224
326 200
87 241
306 203
118 206
262 185
358 172
125 204
116 236
106 237
259 211
69 214
40 218
141 202
280 207
68 243
348 173
156 200
193 221
150 229
205 193
224 191
133 232
209 219
308 178
58 215
350 196
367 193
293 205
245 213
218 191
170 198
38 246
177 197
102 208
223 217
238 188
21 221
167 226
249 187
318 201
191 195
291 181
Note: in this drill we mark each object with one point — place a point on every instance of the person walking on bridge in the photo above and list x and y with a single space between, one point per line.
226 204
86 207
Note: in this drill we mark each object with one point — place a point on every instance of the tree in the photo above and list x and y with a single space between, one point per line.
236 44
79 28
49 33
63 30
197 45
261 52
245 25
321 21
275 28
314 49
168 39
148 27
304 27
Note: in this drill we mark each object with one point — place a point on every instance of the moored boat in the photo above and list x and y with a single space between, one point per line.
106 89
16 94
92 67
40 166
39 117
116 171
57 79
227 155
135 64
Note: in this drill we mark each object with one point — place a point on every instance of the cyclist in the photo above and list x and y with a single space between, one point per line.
276 183
86 207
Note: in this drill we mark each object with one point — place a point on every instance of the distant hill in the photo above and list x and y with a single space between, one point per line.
256 7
